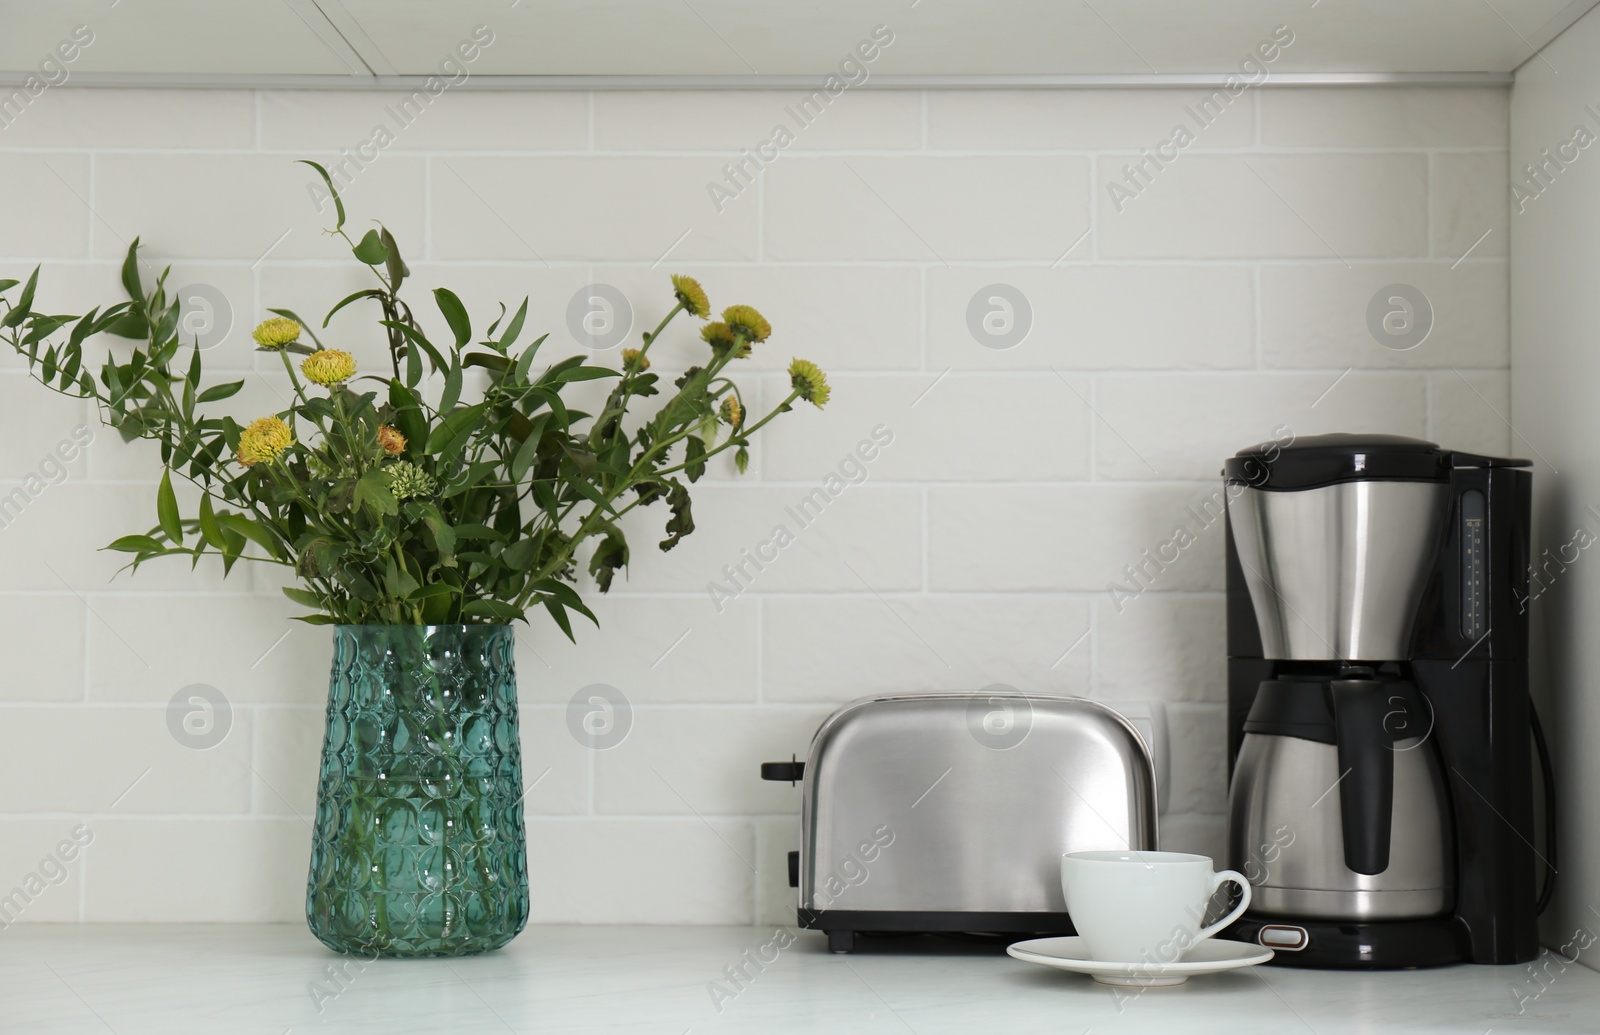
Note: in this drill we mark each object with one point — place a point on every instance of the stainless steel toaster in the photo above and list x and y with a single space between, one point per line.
949 812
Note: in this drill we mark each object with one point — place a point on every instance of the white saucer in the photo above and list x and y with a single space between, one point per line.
1211 956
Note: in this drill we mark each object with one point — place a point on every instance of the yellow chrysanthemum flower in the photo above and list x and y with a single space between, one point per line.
329 366
263 440
732 413
691 295
391 440
809 380
276 332
721 338
633 359
746 322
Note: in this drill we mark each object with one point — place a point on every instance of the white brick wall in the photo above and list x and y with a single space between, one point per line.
1228 299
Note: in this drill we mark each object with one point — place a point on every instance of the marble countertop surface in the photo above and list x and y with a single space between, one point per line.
275 979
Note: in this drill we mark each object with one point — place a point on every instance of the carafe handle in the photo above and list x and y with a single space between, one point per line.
1366 766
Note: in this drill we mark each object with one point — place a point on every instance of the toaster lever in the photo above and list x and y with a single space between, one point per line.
783 772
794 869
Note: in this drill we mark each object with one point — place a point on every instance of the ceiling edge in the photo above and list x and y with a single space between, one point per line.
1165 80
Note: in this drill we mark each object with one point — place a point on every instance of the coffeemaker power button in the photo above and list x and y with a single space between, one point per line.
1288 939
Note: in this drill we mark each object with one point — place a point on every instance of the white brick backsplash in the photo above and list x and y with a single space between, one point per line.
841 318
146 649
1098 317
125 117
1316 315
1184 425
584 208
33 847
1227 301
255 204
1198 736
776 837
1383 117
928 417
49 632
876 530
621 871
898 208
653 649
1076 538
1198 834
293 120
947 642
732 121
248 870
1326 206
1470 412
1470 200
288 757
1036 120
56 222
96 758
1192 662
668 764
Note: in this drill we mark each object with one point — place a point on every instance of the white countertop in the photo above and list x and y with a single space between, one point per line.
237 980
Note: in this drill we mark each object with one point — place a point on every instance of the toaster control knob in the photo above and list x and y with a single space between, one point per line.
783 772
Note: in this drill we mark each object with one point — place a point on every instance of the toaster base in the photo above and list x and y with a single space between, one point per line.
841 925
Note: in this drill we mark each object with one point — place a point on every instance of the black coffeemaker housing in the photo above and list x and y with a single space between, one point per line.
1468 661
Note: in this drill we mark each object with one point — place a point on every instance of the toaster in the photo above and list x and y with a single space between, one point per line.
949 812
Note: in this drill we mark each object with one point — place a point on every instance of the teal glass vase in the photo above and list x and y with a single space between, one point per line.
418 847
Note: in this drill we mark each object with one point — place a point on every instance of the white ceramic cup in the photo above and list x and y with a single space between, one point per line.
1144 907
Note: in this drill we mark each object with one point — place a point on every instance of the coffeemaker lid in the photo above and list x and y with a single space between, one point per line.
1316 460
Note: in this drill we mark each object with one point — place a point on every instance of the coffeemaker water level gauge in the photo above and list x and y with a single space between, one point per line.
1474 575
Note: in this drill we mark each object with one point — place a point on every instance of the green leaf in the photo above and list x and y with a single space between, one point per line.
210 531
525 361
491 609
7 285
24 305
316 619
682 521
372 492
579 374
454 429
514 328
130 272
439 589
560 615
216 393
136 544
338 203
695 457
524 456
415 336
407 413
251 531
346 300
487 360
303 597
611 554
455 314
167 509
452 388
370 249
398 270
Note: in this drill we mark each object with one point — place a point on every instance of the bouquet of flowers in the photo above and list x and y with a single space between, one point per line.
456 487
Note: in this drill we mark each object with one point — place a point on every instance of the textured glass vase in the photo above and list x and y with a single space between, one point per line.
419 848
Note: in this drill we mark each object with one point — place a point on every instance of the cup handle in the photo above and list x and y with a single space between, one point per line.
1217 880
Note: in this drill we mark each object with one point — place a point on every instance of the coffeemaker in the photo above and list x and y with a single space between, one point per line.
1380 729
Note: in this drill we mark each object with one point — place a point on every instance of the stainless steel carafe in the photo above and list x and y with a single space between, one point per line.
1337 808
